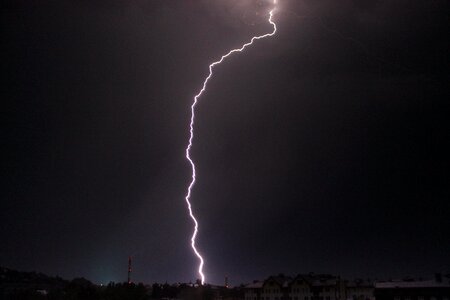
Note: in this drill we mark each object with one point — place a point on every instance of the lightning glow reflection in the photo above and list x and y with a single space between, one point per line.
188 149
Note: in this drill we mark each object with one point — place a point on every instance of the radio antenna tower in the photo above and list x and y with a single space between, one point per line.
129 270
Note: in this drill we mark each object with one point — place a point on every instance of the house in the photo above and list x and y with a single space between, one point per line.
275 288
302 287
253 290
435 289
360 290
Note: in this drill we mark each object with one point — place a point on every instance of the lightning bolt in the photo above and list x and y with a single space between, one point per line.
191 131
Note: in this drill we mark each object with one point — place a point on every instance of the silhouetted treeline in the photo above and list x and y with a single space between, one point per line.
16 285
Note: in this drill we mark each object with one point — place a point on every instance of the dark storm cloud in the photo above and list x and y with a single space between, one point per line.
321 149
334 148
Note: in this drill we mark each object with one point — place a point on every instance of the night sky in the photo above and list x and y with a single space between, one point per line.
321 149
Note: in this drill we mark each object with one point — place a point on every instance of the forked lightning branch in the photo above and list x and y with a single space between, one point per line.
191 137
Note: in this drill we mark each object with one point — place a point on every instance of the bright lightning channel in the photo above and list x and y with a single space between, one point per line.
188 149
